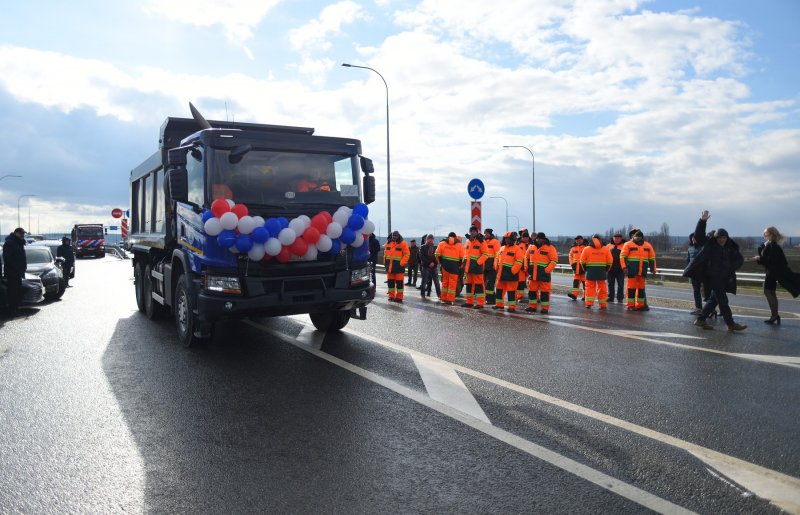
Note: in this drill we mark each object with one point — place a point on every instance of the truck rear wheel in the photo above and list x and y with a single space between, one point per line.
185 322
330 321
137 286
152 309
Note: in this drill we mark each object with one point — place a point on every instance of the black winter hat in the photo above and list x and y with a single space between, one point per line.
721 232
540 236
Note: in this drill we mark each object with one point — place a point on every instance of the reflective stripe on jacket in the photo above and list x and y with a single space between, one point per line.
596 260
476 256
449 254
540 262
509 263
396 256
637 259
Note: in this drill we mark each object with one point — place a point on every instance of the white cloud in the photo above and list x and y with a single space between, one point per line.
313 36
238 18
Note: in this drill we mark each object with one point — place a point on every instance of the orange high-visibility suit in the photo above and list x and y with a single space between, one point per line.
524 241
540 262
395 257
596 261
635 260
578 274
509 263
489 271
449 255
476 255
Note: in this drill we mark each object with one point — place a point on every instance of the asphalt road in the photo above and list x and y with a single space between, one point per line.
422 408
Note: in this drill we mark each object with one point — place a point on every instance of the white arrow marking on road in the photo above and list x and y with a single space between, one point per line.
580 470
444 385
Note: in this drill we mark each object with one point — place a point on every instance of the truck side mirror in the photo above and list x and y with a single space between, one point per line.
366 165
178 181
176 157
369 189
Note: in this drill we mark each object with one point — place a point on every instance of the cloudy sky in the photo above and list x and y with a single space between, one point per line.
638 112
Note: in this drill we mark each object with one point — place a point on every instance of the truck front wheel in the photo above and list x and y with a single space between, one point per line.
185 322
330 321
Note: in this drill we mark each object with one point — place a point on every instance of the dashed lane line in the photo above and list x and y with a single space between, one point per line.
780 489
580 470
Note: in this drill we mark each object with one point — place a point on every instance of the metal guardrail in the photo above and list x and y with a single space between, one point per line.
117 252
678 272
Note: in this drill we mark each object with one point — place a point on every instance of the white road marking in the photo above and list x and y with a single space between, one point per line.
600 479
444 385
780 489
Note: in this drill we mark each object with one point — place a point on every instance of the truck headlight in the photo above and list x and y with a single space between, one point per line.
359 275
223 284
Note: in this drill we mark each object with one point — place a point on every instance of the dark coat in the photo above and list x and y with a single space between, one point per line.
67 252
374 248
414 259
14 260
771 256
427 255
715 264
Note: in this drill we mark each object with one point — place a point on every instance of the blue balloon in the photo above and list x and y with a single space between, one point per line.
207 215
260 234
355 222
336 247
284 222
244 243
361 210
226 238
348 236
273 225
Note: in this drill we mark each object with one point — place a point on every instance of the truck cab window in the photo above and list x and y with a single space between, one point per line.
194 172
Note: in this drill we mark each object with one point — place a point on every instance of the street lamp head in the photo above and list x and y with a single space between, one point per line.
347 65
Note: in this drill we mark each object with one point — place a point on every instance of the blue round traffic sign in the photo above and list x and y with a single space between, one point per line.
475 188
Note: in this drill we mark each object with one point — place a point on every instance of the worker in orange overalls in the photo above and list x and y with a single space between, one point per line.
489 272
508 264
636 258
395 256
449 255
475 257
523 242
578 274
596 261
540 261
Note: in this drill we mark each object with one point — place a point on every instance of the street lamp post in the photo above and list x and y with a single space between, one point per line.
388 161
19 224
1 178
504 200
517 219
533 182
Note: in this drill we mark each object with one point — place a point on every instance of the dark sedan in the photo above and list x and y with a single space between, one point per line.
42 263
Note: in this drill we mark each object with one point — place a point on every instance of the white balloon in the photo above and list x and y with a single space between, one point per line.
358 241
230 202
213 226
334 230
272 247
324 243
287 236
311 253
341 218
259 221
229 220
297 225
257 252
369 227
306 221
246 224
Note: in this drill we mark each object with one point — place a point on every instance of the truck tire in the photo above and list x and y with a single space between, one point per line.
330 321
152 309
137 286
183 306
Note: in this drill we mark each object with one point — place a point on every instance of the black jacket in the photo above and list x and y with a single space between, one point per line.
14 261
427 255
715 264
771 256
374 248
67 252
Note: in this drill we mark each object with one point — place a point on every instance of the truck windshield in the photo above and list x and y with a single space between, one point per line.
283 178
89 233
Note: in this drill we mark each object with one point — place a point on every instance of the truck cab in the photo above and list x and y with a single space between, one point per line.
275 172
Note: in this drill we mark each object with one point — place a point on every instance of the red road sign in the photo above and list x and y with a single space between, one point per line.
124 228
475 208
116 213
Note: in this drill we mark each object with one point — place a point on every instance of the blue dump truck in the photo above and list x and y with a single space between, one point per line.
236 220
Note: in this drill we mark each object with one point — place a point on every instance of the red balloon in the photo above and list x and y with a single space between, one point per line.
320 223
240 210
299 247
328 216
311 235
285 255
219 207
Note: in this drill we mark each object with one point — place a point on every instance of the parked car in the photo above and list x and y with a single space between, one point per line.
53 246
32 288
42 263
